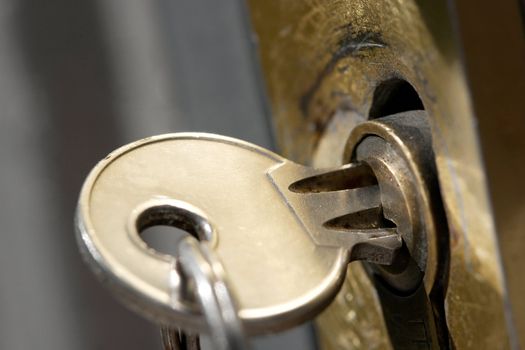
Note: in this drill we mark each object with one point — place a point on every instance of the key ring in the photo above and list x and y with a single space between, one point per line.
177 339
201 266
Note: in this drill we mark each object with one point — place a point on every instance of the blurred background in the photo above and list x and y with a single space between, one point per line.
77 80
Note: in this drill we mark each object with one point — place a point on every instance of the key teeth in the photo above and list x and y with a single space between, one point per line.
350 176
339 208
363 219
383 241
381 250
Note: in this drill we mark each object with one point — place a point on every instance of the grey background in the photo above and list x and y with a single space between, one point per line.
78 79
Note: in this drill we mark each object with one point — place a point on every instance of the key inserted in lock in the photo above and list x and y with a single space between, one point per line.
284 232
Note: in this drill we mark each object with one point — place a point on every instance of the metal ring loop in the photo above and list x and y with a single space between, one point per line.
199 264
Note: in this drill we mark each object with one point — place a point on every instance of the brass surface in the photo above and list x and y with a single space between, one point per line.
322 61
497 86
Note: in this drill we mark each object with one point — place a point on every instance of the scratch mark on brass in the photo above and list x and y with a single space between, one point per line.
352 44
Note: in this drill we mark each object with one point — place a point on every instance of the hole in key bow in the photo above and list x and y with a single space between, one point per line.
163 238
163 226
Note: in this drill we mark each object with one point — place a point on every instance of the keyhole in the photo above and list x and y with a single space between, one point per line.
394 96
163 225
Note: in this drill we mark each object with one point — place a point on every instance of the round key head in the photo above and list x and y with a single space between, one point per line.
220 190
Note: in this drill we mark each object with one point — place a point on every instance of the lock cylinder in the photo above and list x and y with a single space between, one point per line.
398 149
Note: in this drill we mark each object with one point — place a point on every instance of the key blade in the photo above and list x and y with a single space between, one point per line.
349 176
339 207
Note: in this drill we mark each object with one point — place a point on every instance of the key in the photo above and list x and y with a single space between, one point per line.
283 232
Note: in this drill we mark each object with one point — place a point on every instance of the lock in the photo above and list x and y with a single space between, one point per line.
398 149
399 153
329 66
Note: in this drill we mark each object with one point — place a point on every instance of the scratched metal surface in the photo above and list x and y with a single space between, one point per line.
79 79
323 58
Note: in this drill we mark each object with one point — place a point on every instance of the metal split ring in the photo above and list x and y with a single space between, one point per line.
200 265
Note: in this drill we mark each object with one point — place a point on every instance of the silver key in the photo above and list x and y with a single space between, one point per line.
283 232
